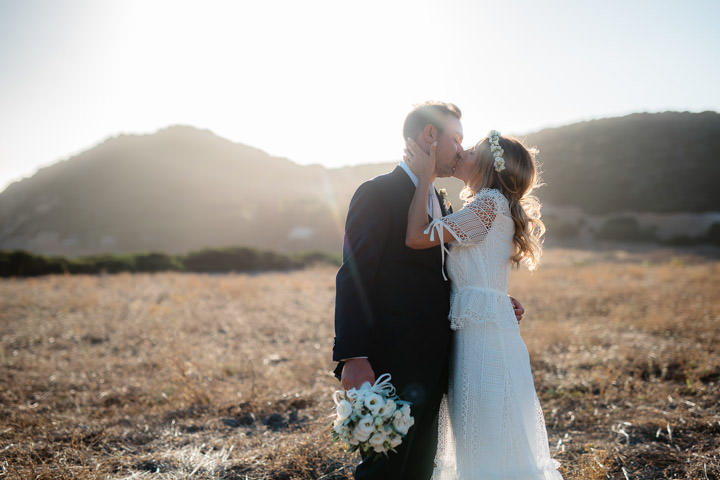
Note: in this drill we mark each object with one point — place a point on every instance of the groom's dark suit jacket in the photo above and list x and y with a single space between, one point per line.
392 301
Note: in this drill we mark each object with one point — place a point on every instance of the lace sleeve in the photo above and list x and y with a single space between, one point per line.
471 224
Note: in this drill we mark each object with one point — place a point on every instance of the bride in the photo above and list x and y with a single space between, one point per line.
492 426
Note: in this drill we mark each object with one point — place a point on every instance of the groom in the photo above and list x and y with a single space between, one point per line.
392 303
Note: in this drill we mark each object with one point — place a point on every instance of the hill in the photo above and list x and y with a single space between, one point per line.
661 163
175 190
182 188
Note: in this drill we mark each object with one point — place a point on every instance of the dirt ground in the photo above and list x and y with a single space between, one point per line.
176 375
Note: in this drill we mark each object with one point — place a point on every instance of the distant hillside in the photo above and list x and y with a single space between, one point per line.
663 162
182 188
176 190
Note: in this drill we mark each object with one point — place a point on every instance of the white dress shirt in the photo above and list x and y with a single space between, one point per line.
433 204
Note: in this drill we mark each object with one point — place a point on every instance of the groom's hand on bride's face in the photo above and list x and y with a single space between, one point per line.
517 308
355 372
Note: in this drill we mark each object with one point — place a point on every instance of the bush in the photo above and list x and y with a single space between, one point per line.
231 259
156 262
311 258
558 229
683 240
236 259
105 263
625 229
25 264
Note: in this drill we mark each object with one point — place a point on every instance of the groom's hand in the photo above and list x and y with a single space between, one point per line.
356 371
517 308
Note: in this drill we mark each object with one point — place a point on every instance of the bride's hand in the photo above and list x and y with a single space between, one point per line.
422 164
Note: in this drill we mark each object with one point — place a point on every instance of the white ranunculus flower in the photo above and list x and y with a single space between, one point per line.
366 424
344 409
402 420
339 426
377 438
377 441
401 424
388 409
394 439
360 435
373 402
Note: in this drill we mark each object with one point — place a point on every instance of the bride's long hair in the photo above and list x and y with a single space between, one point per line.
517 182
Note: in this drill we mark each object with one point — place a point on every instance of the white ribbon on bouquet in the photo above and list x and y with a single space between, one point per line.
382 387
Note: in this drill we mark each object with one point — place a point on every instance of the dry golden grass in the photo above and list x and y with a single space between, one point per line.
228 376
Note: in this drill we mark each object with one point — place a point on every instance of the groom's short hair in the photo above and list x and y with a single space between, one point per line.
433 113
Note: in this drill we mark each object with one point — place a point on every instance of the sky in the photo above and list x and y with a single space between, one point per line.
330 82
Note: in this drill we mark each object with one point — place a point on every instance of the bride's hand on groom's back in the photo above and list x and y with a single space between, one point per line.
517 308
356 371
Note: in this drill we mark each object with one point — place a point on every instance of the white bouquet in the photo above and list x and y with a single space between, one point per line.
371 419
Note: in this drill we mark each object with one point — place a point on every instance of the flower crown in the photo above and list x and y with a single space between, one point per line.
496 149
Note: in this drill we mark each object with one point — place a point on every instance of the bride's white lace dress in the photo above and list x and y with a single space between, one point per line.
491 425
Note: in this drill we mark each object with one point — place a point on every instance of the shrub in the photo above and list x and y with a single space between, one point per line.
156 262
683 240
238 259
625 228
25 264
561 230
230 259
310 258
104 263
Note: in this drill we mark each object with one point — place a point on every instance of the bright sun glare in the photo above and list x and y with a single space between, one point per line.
328 82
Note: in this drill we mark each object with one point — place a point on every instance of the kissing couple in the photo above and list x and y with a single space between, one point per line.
422 295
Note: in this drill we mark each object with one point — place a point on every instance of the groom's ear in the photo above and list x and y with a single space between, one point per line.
430 134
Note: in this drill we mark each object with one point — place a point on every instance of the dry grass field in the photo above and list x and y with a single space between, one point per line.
228 376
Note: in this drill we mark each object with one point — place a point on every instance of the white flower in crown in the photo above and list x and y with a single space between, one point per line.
497 151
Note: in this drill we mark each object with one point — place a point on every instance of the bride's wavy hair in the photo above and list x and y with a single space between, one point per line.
517 182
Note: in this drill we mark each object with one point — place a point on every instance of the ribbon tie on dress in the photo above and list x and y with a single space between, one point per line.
438 225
